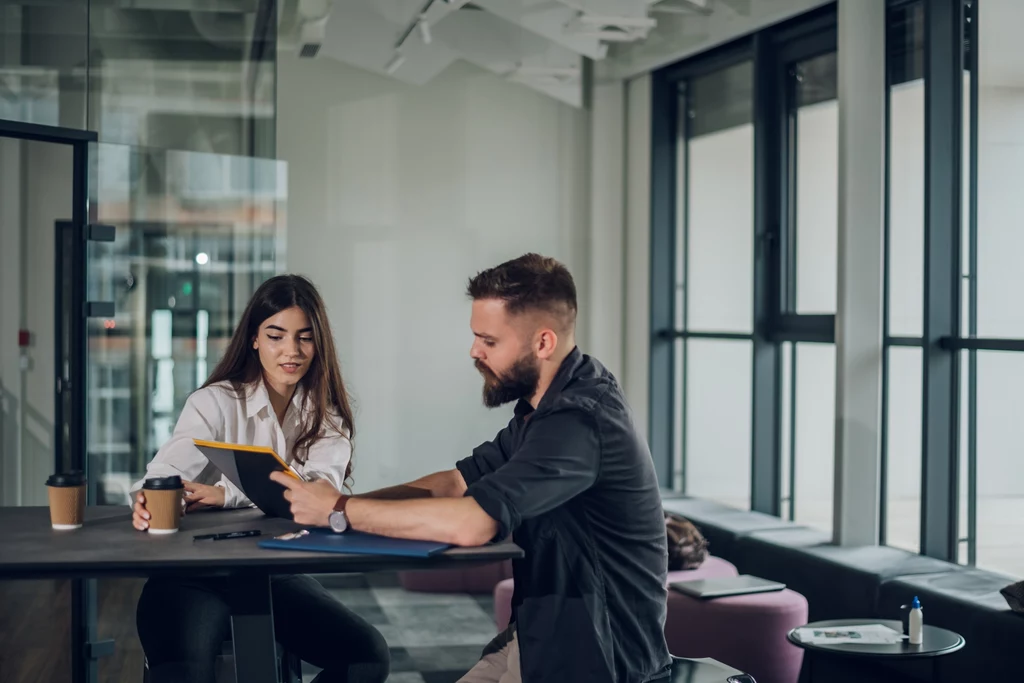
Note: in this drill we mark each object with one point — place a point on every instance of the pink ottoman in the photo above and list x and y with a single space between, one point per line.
503 603
747 632
477 580
710 567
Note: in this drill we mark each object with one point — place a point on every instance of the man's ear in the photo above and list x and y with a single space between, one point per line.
547 342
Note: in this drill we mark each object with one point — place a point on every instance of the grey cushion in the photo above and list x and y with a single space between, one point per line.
838 582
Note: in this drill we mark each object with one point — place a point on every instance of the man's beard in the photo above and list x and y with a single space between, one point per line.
519 382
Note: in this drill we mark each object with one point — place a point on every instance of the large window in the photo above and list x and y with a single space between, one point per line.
814 134
993 500
714 296
751 250
901 446
809 271
751 410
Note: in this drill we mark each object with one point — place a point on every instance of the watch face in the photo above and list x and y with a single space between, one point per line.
338 521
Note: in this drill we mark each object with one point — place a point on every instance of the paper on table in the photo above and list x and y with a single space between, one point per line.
861 634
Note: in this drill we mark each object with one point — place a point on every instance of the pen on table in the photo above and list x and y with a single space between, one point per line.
227 535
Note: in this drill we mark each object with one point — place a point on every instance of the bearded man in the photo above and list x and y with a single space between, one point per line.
569 478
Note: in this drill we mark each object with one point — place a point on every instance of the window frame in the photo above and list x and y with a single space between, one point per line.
771 51
775 322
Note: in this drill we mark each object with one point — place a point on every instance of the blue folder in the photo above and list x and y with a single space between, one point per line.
355 542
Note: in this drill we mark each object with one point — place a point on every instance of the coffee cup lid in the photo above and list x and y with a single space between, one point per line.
63 479
163 483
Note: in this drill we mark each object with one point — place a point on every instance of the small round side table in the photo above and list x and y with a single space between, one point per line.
935 643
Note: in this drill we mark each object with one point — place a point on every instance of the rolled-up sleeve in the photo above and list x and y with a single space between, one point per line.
328 459
488 457
559 458
201 418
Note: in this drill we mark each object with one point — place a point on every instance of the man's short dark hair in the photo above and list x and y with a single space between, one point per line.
529 283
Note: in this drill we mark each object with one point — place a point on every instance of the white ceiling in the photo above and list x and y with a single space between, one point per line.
540 43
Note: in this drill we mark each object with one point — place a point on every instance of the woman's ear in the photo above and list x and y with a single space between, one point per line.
255 343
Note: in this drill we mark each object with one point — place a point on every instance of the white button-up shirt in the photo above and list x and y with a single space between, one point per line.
216 413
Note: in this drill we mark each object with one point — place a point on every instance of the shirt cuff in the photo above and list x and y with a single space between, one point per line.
469 471
494 502
232 496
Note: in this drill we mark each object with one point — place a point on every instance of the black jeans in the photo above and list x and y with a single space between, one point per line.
183 625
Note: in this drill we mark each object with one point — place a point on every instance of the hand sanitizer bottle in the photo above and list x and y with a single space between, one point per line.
916 622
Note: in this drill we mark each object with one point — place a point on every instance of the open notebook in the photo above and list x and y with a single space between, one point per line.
249 468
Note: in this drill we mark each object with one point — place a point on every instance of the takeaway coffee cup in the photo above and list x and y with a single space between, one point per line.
67 499
163 501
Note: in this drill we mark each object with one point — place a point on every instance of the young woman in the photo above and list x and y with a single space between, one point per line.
278 385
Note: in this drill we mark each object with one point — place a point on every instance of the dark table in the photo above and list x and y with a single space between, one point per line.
108 546
935 642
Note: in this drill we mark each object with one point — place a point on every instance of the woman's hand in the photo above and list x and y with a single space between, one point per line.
199 496
140 515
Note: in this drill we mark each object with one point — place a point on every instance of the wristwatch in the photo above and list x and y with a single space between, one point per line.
337 518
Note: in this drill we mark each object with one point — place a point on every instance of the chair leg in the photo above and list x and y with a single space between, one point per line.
290 667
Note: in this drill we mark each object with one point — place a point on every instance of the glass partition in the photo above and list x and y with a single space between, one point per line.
195 235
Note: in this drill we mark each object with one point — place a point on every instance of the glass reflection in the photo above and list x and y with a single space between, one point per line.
196 234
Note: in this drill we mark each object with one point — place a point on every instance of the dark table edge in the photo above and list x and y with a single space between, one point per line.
835 650
271 565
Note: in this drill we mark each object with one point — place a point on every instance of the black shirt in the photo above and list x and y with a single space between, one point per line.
575 486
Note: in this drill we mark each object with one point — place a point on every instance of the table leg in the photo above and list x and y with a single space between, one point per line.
807 670
252 630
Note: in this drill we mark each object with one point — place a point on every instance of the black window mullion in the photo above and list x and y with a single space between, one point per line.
664 134
766 394
971 532
941 367
685 132
883 488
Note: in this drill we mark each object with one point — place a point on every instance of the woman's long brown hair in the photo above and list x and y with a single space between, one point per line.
325 389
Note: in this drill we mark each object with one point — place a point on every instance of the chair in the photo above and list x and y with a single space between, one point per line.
706 671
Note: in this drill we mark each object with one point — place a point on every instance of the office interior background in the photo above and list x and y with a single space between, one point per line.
688 164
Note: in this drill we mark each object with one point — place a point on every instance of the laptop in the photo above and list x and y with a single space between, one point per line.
723 587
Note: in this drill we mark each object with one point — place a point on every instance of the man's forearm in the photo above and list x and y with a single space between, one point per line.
459 521
446 484
400 492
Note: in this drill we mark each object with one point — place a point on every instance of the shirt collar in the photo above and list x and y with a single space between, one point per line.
565 373
257 399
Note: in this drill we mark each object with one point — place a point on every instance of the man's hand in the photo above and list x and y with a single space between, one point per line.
311 502
199 496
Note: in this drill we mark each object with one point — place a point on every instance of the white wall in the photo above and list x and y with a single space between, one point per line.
35 191
637 295
397 195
